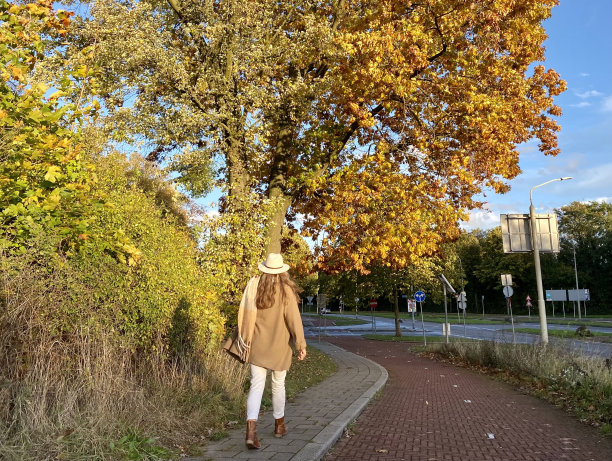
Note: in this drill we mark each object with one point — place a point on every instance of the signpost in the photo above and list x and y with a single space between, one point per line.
462 304
522 233
412 309
528 304
508 292
556 295
582 294
446 286
373 305
419 297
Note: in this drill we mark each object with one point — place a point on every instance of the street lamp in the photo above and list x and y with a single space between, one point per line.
577 289
536 260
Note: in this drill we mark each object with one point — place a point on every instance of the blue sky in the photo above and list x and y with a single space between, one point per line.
579 47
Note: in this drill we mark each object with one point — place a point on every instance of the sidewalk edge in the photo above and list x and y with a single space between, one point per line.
321 444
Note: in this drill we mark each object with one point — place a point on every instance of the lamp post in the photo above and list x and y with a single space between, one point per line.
536 260
576 274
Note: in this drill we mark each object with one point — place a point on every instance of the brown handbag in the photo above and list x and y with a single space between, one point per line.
232 348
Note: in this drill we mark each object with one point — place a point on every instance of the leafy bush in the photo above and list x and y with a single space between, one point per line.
90 344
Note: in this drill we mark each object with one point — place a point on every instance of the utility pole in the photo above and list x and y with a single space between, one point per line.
536 260
576 274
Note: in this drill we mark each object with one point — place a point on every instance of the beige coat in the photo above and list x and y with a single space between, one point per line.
276 329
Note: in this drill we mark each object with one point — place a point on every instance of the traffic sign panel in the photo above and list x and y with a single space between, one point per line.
508 291
373 303
419 296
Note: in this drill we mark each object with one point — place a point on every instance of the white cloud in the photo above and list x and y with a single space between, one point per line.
607 104
584 74
481 219
589 94
581 104
599 200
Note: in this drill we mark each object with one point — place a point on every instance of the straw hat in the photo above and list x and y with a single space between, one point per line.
273 264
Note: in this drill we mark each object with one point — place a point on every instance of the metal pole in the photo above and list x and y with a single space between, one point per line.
538 271
423 324
445 316
536 260
553 307
458 314
482 299
578 293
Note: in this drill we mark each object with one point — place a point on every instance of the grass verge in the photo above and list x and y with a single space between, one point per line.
336 320
409 338
580 385
570 334
470 319
340 321
309 372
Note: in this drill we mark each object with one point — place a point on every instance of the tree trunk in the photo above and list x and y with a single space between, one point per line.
278 182
278 219
398 331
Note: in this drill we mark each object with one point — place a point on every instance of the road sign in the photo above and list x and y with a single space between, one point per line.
309 298
419 296
462 300
516 233
412 305
373 303
528 301
582 294
506 280
508 292
556 295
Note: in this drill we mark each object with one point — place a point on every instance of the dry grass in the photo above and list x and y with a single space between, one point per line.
86 396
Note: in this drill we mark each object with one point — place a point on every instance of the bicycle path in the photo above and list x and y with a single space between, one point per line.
434 411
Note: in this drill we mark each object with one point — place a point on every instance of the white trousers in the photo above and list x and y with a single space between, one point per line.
258 383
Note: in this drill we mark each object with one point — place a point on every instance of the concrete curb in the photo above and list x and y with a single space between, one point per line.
321 444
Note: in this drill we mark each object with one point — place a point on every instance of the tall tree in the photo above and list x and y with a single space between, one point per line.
376 120
587 229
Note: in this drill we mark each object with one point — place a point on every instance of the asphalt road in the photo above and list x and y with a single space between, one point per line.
500 332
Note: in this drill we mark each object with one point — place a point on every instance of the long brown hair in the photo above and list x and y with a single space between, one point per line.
271 286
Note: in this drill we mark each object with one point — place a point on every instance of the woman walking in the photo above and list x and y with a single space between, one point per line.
269 322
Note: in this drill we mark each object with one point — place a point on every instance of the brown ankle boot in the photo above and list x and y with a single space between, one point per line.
251 435
279 427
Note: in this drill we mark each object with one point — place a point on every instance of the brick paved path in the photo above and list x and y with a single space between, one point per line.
315 420
431 411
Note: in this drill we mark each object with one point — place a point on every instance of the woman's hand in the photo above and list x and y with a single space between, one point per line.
301 354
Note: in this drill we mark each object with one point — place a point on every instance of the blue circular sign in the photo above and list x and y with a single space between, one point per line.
419 296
